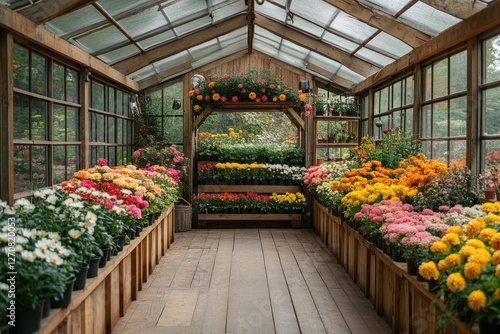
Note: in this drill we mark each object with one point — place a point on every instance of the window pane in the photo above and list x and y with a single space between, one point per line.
111 100
376 104
440 120
440 151
38 74
426 121
72 159
457 150
111 130
58 123
100 127
396 95
492 111
458 72
22 170
384 100
39 166
119 131
173 129
427 83
38 120
72 129
21 117
458 116
491 50
408 119
111 156
440 79
97 96
72 86
59 164
58 82
119 102
409 91
21 67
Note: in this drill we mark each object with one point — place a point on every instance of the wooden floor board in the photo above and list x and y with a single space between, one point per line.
276 280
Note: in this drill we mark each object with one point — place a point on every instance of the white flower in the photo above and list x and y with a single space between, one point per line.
54 236
21 240
39 254
42 234
41 245
126 191
63 251
19 248
52 199
68 202
91 217
74 233
4 286
51 207
37 194
28 256
48 192
78 205
4 237
54 259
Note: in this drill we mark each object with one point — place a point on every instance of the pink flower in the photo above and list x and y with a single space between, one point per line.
136 154
307 113
271 86
226 76
197 91
264 98
263 90
240 86
234 99
308 107
207 98
102 161
257 100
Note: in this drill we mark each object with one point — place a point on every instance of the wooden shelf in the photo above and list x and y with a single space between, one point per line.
267 189
339 145
249 216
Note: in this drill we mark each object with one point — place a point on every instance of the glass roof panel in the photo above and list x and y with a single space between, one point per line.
339 42
317 11
324 62
223 52
173 61
373 57
346 73
428 19
81 19
235 34
227 9
204 49
143 73
143 22
101 39
179 10
294 49
392 7
306 26
119 54
272 11
389 45
348 26
193 25
119 7
263 46
266 35
157 39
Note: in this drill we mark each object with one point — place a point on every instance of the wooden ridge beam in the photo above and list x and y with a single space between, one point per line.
458 8
137 62
357 65
23 27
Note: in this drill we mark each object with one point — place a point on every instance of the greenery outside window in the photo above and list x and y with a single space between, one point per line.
46 121
443 116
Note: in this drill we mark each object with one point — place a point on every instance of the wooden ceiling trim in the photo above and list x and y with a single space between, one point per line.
458 8
357 65
27 29
47 10
474 25
137 62
382 21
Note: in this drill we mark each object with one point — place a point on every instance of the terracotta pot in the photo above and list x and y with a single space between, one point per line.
489 194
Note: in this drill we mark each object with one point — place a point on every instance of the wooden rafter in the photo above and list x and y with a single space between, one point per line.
381 21
458 8
137 62
356 64
251 25
47 10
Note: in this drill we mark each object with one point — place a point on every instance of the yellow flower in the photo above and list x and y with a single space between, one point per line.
199 97
475 226
495 258
275 99
216 97
472 270
211 84
455 282
252 95
451 239
495 241
456 229
476 300
302 97
467 251
191 92
439 246
428 270
282 97
452 260
476 243
486 234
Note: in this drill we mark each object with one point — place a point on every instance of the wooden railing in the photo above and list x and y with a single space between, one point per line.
105 298
404 302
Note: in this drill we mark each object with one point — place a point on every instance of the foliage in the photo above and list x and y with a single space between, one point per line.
254 86
396 146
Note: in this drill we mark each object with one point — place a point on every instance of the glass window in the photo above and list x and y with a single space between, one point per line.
443 117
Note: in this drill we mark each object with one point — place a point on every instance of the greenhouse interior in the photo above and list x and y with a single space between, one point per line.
241 166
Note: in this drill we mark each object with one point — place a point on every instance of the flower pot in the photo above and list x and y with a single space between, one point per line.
45 307
105 257
489 194
65 299
411 267
432 285
138 231
93 267
28 320
397 255
131 234
120 241
488 327
81 278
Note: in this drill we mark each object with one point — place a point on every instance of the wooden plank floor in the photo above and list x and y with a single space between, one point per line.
250 281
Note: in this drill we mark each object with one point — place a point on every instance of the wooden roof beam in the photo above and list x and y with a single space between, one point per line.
137 62
381 21
251 24
474 25
458 8
47 10
355 64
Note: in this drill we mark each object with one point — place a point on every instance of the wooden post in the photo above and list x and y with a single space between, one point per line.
6 118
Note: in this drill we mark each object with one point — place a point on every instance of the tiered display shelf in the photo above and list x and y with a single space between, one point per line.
325 126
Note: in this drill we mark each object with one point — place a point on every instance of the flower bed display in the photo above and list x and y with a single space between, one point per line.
420 212
62 229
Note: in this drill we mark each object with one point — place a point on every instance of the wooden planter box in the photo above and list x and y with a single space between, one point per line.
403 301
105 298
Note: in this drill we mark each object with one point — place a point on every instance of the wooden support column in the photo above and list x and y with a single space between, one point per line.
84 118
473 108
6 118
417 92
